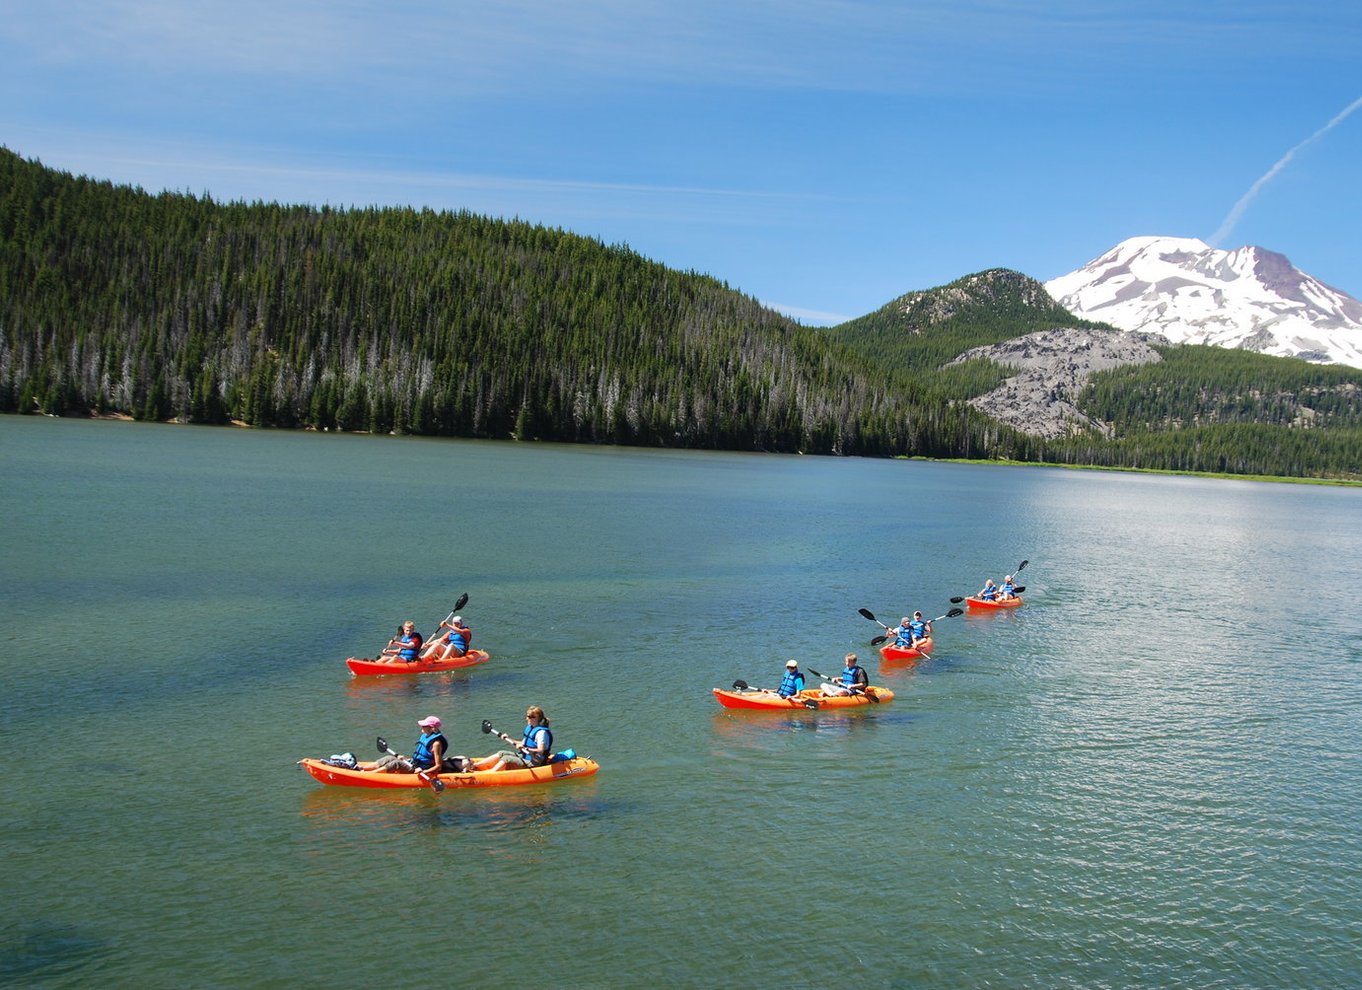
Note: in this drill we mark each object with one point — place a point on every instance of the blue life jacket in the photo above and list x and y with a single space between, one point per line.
531 731
902 637
988 594
411 647
851 676
424 756
1007 588
918 628
457 639
791 684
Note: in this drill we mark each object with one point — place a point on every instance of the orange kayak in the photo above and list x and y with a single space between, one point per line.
770 701
891 652
578 766
980 603
361 667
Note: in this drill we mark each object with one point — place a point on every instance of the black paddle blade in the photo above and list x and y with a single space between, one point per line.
954 612
878 640
1019 567
1019 589
486 726
382 745
868 614
810 704
463 600
436 783
957 600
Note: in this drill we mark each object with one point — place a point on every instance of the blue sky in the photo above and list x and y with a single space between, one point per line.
824 156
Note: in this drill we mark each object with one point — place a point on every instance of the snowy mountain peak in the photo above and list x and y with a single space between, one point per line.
1189 292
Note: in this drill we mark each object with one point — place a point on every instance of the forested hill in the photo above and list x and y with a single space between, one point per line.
171 306
1195 408
114 301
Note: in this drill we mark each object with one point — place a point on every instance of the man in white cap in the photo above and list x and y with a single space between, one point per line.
793 681
452 644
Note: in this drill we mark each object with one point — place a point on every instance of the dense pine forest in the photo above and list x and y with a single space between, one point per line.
175 307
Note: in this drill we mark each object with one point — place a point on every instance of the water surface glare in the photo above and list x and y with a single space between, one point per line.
1148 776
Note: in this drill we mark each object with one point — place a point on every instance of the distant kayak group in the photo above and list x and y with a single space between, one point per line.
911 640
533 759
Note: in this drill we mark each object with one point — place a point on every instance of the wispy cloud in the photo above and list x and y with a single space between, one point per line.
1232 219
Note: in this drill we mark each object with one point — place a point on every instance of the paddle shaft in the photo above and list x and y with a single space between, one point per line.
949 615
436 784
849 688
806 702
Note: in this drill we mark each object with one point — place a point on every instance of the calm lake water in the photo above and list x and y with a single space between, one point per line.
1148 776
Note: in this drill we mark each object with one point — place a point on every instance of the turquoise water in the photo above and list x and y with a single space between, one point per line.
1148 776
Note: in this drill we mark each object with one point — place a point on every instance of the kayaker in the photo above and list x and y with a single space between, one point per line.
988 592
533 750
453 644
1008 591
919 629
854 679
429 752
405 647
793 681
903 634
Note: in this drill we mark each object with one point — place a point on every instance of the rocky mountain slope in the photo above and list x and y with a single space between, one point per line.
1052 368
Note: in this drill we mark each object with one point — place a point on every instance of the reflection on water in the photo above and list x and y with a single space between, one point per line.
340 811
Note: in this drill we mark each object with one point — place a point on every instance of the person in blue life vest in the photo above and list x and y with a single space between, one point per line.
405 647
533 750
854 679
988 592
919 629
909 631
793 681
454 643
429 753
1007 591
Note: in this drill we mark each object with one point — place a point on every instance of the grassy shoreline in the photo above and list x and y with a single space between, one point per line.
1336 482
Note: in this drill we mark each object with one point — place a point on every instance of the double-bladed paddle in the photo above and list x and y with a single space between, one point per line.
436 784
808 703
878 640
429 651
849 688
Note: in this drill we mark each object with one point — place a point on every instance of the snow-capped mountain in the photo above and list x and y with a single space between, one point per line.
1191 293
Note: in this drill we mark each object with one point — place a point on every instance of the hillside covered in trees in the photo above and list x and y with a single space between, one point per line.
114 301
170 306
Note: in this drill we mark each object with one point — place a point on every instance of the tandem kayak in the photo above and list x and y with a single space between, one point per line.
980 603
361 667
770 701
578 766
891 652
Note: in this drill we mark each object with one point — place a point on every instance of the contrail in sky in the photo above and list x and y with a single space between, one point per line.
1228 224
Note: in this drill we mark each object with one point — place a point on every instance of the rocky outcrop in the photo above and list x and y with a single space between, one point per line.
1052 368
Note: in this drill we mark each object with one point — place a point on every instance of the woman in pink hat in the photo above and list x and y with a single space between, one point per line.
428 755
